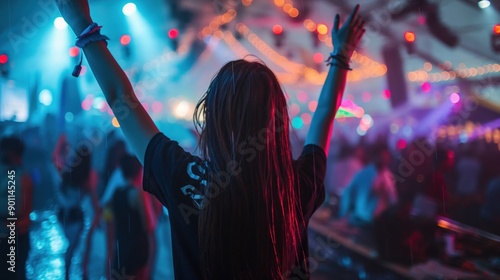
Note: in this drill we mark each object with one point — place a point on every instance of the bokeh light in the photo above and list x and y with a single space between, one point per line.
129 9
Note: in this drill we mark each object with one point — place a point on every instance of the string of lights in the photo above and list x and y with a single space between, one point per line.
369 67
322 33
462 71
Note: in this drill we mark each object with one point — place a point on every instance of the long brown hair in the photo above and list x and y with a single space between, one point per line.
249 226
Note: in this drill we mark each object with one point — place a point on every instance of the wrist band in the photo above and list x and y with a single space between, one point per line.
338 60
88 38
91 34
88 29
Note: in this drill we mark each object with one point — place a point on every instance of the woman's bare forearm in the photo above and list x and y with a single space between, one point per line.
328 105
137 125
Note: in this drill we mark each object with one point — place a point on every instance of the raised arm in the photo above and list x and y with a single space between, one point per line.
135 122
344 39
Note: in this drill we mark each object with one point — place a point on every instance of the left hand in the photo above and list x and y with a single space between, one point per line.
346 38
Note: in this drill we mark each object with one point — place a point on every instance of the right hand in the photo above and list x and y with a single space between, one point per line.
346 38
76 13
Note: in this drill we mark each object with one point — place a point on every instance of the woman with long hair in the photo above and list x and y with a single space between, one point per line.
241 210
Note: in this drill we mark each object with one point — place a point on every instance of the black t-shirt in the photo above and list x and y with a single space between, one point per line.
176 178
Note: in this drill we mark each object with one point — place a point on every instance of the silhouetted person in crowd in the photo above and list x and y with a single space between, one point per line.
436 188
343 168
468 170
78 183
371 191
132 249
490 212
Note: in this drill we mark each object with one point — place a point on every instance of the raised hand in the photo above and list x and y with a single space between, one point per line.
76 13
346 38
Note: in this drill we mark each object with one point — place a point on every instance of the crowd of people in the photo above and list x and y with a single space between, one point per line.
396 194
372 186
65 178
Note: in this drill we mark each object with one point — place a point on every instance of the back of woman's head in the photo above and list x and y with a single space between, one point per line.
244 100
249 226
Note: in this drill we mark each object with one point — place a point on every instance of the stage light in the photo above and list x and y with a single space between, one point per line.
495 38
125 40
310 25
386 94
246 2
409 42
98 102
86 104
69 117
181 110
293 13
3 58
129 9
174 41
306 118
277 29
426 87
115 122
454 98
60 23
483 4
322 29
312 105
173 33
410 37
73 51
401 144
287 7
432 18
45 97
318 57
297 123
278 35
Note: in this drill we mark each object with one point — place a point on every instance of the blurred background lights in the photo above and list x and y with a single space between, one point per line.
74 51
60 23
125 40
454 98
115 122
297 123
45 97
129 9
181 110
69 117
483 4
